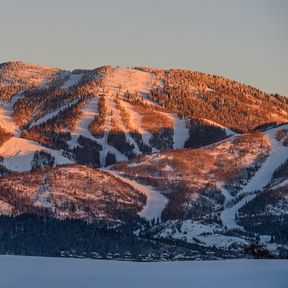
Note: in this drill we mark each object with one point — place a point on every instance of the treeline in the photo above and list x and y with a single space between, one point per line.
35 103
7 92
268 197
41 236
53 132
17 76
229 103
96 126
88 153
4 136
281 171
42 159
267 213
202 134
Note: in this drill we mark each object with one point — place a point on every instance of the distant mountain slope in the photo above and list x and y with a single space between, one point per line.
219 193
70 192
200 182
192 160
16 76
98 117
20 155
234 105
208 194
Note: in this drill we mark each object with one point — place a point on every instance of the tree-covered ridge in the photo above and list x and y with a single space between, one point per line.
192 179
229 103
69 192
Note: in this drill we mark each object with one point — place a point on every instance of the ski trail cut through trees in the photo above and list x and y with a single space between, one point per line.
155 203
181 132
278 155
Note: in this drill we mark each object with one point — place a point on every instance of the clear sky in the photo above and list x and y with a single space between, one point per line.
245 40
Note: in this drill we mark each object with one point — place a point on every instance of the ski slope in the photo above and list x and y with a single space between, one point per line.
6 121
181 132
225 193
278 155
74 79
136 122
108 148
34 272
18 154
120 80
88 113
119 122
52 114
155 203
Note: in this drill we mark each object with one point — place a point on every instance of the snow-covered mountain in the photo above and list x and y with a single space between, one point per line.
178 158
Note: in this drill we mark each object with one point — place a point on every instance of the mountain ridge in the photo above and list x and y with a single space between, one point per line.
175 157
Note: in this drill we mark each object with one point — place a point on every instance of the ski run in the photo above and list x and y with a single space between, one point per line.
278 155
18 154
155 202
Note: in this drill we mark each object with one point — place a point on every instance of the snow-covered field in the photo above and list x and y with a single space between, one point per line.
30 272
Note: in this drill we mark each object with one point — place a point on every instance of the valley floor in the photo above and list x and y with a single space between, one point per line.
18 271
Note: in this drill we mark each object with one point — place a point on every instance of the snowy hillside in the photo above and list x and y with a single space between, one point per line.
18 154
278 155
107 111
186 165
27 75
71 191
207 187
155 202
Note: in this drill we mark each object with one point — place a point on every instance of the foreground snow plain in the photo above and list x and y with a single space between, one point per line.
24 272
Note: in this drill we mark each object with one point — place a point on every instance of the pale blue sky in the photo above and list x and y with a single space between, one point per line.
245 40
